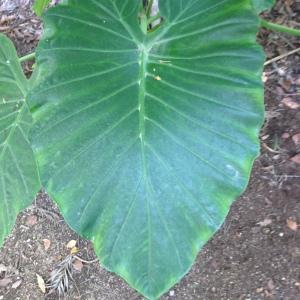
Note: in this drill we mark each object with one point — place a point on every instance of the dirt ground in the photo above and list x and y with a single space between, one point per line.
255 255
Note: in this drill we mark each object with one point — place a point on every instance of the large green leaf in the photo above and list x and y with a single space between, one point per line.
18 171
145 141
261 5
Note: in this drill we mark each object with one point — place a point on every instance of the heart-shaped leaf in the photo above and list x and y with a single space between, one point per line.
145 140
18 172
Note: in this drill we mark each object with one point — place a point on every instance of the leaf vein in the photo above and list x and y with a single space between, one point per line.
201 97
91 24
172 137
88 146
187 117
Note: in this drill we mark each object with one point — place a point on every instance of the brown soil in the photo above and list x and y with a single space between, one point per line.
255 255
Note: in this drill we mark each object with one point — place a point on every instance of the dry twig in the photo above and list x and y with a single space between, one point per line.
282 56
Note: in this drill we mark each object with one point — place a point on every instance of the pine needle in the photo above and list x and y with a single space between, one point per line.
61 277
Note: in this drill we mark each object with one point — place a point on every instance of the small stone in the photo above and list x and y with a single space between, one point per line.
265 222
47 244
291 224
266 230
271 285
285 135
281 72
5 282
31 220
265 137
264 77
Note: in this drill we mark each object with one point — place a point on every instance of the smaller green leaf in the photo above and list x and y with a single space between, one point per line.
40 6
19 180
261 5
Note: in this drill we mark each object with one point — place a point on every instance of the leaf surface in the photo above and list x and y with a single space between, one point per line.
144 141
18 171
261 5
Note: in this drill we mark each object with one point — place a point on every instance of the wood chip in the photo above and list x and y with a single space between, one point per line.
296 159
46 243
71 244
16 284
41 283
286 84
74 250
3 268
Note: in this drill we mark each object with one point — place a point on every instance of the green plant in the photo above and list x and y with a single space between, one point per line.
40 6
261 5
19 181
149 170
143 134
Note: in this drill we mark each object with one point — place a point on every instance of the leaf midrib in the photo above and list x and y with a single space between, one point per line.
21 84
12 129
143 59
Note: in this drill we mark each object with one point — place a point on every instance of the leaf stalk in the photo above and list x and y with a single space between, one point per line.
149 8
153 18
279 28
27 57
